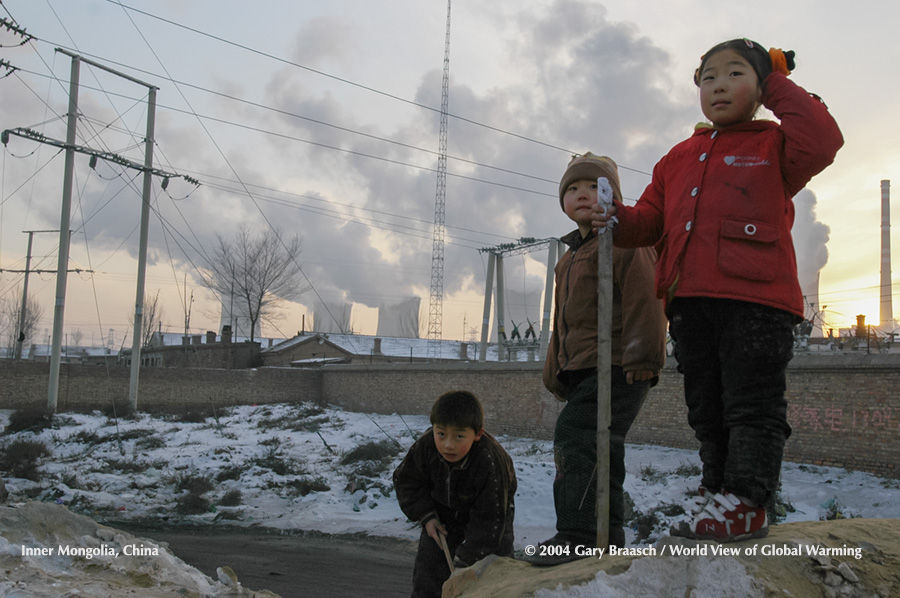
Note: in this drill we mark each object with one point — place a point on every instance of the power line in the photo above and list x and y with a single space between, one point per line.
281 135
208 181
330 76
335 78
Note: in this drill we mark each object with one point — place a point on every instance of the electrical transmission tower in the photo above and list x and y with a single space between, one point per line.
436 303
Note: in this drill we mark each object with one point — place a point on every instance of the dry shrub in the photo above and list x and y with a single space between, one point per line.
31 419
21 458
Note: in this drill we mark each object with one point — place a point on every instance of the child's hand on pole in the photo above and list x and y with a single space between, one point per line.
438 533
601 216
434 529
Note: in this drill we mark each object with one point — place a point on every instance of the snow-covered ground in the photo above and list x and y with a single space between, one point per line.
291 466
300 467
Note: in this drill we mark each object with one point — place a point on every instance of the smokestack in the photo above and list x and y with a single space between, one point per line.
887 312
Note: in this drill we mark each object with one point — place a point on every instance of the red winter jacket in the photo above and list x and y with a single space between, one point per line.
720 203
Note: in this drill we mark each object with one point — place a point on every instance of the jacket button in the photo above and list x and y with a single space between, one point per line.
695 191
687 226
703 156
750 229
714 134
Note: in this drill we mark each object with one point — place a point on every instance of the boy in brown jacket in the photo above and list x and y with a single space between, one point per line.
570 372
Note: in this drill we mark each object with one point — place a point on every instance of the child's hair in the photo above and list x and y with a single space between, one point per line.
755 54
458 408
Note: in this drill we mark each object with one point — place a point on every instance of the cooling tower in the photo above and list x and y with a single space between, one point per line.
399 319
332 317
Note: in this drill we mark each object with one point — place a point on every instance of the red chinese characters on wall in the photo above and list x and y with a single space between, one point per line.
839 419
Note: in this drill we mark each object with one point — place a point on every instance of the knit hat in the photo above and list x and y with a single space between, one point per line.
589 166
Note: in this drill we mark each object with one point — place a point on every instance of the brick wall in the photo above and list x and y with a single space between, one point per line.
515 401
846 413
83 387
844 408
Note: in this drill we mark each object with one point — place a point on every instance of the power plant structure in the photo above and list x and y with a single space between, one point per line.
887 326
886 313
555 248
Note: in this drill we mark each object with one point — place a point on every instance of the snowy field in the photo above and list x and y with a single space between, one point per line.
300 467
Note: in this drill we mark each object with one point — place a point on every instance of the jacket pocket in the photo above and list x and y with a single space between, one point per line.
749 250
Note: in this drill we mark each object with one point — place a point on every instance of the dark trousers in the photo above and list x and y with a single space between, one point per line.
734 355
575 452
430 570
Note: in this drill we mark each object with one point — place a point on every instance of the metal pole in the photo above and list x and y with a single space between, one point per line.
887 309
501 331
231 319
604 369
64 235
548 297
186 308
486 316
23 311
142 254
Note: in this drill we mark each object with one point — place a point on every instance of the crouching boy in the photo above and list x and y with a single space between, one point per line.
459 484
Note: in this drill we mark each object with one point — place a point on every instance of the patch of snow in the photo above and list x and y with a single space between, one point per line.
667 577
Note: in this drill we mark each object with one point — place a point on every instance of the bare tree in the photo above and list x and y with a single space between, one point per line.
152 317
257 272
10 333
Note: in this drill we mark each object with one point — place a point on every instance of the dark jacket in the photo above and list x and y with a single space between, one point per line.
720 203
638 332
477 495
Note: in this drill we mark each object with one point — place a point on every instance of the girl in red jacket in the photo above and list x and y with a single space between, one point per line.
719 206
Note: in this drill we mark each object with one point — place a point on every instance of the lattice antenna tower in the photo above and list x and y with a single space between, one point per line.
436 303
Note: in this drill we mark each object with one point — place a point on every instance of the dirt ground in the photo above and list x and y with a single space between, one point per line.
297 565
756 568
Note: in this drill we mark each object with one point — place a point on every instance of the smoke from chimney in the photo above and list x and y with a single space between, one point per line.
811 246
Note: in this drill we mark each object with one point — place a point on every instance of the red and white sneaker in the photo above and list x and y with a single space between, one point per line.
693 506
696 504
724 518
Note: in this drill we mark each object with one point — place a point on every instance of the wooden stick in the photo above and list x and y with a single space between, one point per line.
446 551
604 364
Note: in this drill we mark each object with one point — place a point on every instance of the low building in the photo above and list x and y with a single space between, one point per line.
72 354
197 351
317 348
313 349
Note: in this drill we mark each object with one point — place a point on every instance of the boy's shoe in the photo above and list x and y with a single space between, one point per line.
697 503
693 507
724 518
559 549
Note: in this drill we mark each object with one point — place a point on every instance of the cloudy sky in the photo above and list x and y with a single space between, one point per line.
321 119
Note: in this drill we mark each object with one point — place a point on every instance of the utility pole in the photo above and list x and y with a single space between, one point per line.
189 304
138 337
147 168
64 236
486 315
20 329
23 311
